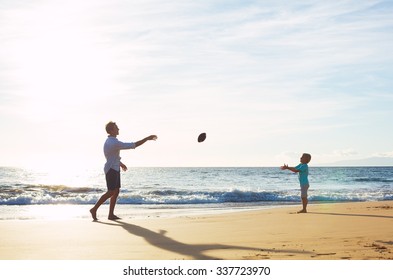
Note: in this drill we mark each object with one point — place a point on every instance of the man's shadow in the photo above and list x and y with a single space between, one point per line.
196 251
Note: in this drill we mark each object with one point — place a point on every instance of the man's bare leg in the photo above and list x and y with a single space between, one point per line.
112 205
103 198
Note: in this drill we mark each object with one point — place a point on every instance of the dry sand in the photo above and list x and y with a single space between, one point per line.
360 231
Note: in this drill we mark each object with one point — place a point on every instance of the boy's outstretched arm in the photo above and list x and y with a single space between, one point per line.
286 167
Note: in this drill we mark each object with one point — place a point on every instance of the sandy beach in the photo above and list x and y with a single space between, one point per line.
340 231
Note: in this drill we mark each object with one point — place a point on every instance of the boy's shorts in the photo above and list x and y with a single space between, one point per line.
304 191
112 179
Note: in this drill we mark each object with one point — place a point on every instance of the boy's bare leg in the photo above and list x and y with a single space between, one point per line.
304 202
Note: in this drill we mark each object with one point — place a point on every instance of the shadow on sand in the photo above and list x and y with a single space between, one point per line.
352 215
195 251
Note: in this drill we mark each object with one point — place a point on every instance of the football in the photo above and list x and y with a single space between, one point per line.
201 137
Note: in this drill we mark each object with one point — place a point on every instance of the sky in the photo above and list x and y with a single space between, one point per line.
265 80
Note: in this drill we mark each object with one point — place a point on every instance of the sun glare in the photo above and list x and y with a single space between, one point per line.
65 177
55 212
60 57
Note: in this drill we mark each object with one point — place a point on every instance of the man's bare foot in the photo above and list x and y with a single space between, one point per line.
302 211
113 217
93 214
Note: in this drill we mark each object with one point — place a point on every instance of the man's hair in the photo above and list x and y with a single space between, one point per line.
307 157
109 126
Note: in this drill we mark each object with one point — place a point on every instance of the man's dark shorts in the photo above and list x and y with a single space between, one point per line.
112 179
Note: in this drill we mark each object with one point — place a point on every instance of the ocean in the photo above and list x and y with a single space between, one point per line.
161 192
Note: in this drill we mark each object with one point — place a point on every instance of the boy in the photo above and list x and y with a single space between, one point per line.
302 169
112 167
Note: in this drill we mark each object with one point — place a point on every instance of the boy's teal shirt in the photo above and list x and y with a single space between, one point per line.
303 174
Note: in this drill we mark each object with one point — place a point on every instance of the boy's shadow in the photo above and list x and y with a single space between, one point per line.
196 251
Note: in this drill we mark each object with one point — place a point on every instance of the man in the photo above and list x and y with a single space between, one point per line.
112 167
